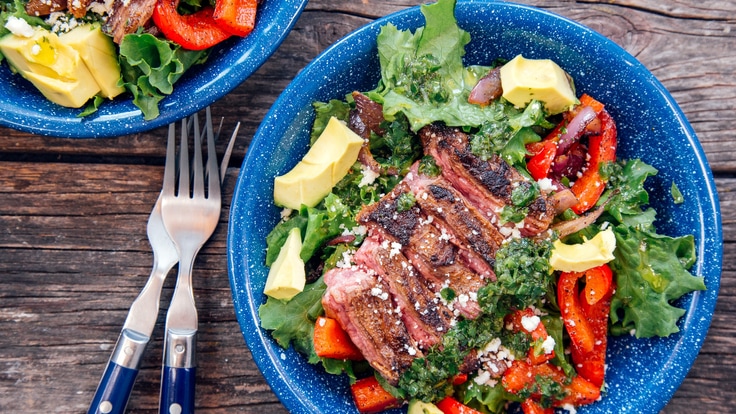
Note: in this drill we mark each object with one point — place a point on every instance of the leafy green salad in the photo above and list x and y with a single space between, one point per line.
152 48
530 311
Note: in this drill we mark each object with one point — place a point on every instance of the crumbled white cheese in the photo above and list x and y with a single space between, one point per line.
346 260
493 346
482 377
546 185
395 249
379 293
61 22
369 177
570 408
530 323
548 345
19 27
285 213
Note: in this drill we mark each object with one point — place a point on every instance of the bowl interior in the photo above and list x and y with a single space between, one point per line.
642 374
229 64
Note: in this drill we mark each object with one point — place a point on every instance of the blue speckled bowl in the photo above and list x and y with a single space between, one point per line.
642 374
227 67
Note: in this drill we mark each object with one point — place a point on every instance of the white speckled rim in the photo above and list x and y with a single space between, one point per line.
228 66
642 374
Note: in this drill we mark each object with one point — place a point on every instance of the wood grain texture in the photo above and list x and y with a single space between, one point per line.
74 251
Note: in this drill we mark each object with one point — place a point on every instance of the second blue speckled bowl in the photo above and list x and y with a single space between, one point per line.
23 107
642 374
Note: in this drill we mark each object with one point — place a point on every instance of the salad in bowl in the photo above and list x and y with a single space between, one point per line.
466 234
107 68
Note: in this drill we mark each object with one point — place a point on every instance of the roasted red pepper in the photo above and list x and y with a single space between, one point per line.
598 282
197 31
371 397
331 341
538 334
585 315
575 321
530 406
601 149
236 16
449 405
541 162
522 375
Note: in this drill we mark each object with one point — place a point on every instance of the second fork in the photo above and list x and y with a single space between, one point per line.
190 215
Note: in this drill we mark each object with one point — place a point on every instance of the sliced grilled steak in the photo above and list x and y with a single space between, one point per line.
45 7
486 183
127 16
360 302
440 199
435 247
425 316
365 119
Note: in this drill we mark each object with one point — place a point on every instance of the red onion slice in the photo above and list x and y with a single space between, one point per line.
575 129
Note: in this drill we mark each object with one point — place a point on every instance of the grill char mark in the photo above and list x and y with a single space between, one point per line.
487 184
370 320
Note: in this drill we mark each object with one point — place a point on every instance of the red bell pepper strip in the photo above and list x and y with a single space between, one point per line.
460 378
598 282
197 31
236 16
331 341
601 149
529 406
538 334
521 375
586 322
591 365
371 397
541 162
575 321
580 392
449 405
588 100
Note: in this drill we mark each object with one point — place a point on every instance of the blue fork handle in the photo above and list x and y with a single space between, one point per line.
114 390
117 381
177 390
179 372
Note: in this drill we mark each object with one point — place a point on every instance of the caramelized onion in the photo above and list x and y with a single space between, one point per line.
575 129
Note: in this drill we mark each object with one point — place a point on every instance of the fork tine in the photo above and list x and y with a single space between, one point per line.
198 176
169 184
213 174
184 160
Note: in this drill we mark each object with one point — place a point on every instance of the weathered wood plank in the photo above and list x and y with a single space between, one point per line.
74 253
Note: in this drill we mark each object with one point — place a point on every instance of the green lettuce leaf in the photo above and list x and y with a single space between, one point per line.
422 73
150 67
292 322
323 111
651 271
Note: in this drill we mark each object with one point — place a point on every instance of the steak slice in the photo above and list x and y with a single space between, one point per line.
436 249
127 16
487 184
440 199
425 316
360 302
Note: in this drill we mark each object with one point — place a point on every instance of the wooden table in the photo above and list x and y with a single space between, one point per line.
74 251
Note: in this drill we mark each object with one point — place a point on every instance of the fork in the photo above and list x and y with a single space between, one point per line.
190 214
119 376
